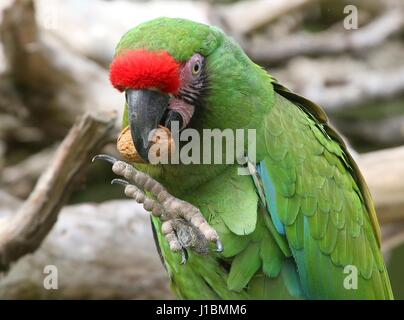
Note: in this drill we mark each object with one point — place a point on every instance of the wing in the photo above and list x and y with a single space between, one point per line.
318 199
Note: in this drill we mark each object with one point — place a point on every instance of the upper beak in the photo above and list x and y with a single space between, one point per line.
145 111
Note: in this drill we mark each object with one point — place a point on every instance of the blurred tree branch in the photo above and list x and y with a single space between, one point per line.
341 83
327 42
384 172
260 13
25 231
102 251
55 84
386 132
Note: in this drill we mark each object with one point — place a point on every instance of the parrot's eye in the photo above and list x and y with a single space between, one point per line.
196 68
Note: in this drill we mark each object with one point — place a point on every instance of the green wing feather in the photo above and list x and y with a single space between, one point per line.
322 201
320 117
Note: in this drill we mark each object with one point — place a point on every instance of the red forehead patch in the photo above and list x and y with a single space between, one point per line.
139 69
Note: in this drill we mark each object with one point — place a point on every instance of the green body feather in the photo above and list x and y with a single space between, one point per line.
318 196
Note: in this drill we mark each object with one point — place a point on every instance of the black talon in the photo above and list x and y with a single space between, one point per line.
120 181
104 157
184 255
219 246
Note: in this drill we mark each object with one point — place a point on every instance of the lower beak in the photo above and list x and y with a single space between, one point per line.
145 110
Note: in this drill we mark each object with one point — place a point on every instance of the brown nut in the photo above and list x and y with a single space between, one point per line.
162 137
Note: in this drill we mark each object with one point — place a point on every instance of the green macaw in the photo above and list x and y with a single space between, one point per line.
302 225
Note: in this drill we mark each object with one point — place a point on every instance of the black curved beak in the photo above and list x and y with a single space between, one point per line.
145 110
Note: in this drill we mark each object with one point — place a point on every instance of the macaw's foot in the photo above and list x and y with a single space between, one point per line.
183 225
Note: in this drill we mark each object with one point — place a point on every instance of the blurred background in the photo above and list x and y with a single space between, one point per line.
348 56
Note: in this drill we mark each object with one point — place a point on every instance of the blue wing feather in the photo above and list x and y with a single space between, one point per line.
269 191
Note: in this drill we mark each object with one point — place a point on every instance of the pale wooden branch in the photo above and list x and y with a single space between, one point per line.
246 16
29 226
19 178
392 236
363 86
101 251
382 132
272 51
341 83
384 173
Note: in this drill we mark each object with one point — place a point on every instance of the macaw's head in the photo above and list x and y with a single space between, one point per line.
183 71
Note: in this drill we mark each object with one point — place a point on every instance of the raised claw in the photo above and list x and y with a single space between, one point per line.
184 226
120 181
104 157
219 246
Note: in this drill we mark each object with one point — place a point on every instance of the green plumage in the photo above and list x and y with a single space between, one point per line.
290 230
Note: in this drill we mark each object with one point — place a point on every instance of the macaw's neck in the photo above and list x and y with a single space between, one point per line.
180 179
